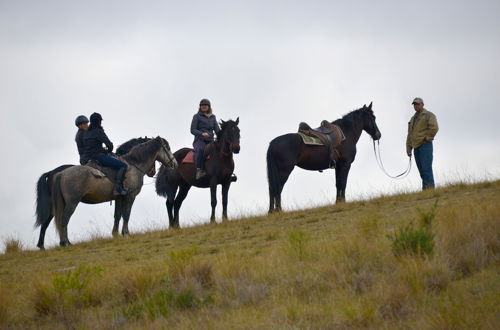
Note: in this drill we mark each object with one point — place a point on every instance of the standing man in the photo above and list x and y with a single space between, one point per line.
82 123
422 128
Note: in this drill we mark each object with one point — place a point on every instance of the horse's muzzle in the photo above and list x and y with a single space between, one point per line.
173 164
377 136
235 147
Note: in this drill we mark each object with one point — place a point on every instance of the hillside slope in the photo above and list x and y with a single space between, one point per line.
422 260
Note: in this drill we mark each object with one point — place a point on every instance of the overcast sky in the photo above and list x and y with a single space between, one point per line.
145 65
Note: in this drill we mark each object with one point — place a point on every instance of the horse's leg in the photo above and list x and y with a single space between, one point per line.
284 174
126 208
183 191
213 197
69 209
225 192
341 173
170 203
43 228
118 215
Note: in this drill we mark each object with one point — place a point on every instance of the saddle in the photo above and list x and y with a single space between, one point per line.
189 158
329 134
100 171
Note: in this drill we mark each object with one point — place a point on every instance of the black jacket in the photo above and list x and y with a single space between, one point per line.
80 145
202 123
93 140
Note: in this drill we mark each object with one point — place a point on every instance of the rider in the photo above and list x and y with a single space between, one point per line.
82 123
93 141
203 126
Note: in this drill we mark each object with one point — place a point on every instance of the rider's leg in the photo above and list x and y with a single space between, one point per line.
199 148
120 175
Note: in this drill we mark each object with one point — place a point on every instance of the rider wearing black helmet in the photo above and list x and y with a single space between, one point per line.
203 126
94 150
82 123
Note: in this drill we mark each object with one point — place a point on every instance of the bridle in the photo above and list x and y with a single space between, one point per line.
381 165
168 153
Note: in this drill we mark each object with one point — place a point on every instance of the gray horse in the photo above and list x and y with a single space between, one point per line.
78 183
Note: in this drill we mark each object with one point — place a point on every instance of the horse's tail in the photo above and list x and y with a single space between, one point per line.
273 177
44 195
161 183
43 199
58 201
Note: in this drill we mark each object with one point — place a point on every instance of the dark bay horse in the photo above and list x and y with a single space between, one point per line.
44 210
287 151
219 170
78 183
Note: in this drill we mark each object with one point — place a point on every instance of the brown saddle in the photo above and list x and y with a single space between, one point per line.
329 134
102 171
207 154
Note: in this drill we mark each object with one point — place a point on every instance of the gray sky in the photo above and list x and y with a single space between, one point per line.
145 65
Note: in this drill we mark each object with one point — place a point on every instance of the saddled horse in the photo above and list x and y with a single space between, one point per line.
44 212
287 151
78 183
219 168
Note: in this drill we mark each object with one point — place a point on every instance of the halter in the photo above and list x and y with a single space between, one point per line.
381 165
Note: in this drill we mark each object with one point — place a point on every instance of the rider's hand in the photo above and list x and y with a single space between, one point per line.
409 154
205 135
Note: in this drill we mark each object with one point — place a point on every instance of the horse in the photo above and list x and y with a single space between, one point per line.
219 168
287 151
78 183
44 212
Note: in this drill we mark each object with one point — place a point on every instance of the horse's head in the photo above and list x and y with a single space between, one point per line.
164 155
230 134
369 124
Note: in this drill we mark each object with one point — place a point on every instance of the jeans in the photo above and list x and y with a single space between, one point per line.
199 148
423 158
112 162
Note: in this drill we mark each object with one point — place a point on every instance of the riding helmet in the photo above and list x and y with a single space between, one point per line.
204 102
95 117
81 119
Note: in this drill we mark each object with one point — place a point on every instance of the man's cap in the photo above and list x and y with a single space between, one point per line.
417 100
80 120
95 117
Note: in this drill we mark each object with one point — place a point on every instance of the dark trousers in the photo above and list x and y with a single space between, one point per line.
112 162
423 158
199 148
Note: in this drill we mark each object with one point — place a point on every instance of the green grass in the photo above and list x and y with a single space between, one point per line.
328 267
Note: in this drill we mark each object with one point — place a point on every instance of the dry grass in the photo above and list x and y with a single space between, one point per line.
329 267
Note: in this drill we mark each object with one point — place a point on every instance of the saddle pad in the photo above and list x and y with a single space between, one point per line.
189 158
95 172
310 140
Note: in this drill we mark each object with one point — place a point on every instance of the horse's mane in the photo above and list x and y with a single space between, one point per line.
125 147
140 152
348 118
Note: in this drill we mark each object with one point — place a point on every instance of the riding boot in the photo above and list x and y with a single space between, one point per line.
200 173
120 177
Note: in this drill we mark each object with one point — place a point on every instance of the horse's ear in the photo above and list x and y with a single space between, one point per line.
364 106
222 122
237 120
370 106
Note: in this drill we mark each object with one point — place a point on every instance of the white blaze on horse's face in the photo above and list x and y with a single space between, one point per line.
165 156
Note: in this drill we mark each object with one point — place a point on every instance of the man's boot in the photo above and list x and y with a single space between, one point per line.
120 177
200 173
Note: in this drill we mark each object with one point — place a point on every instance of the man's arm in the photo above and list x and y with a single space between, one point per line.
432 128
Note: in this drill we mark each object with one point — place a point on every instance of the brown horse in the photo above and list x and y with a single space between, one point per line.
219 168
287 151
78 183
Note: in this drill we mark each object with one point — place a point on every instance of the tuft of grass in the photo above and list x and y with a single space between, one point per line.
298 242
415 240
13 245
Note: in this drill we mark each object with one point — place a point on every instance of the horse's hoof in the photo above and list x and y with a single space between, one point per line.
42 248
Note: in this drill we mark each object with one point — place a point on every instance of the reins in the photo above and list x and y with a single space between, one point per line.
381 165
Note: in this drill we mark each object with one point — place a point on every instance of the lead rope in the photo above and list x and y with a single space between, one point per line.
381 165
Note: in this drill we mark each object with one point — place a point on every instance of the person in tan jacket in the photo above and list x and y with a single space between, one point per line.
422 128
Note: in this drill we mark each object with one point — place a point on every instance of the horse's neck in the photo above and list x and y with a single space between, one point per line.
223 150
143 166
351 128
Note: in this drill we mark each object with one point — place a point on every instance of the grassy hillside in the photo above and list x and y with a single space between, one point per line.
427 260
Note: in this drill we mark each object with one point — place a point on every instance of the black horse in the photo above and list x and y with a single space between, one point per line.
287 151
44 203
219 168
